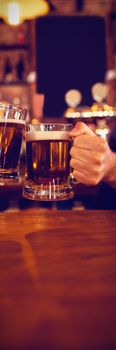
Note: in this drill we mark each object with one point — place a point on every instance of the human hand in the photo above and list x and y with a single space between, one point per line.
91 158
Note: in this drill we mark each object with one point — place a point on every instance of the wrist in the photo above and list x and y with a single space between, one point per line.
110 176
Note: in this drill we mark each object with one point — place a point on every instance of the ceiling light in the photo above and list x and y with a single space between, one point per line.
17 11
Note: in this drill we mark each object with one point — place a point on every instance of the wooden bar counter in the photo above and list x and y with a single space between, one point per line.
58 280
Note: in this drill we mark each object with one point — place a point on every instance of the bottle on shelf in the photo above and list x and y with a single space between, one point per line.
20 69
21 35
8 70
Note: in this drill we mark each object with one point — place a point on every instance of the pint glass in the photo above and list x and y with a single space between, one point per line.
12 124
48 162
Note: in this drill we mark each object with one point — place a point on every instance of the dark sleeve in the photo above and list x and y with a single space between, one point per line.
106 198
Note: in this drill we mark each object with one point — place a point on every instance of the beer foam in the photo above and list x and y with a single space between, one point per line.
47 135
14 121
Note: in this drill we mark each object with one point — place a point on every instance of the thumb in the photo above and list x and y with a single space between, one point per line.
81 128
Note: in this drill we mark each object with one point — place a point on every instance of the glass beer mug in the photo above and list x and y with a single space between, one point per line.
12 125
48 162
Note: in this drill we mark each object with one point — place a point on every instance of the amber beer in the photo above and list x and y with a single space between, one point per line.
48 164
48 159
11 133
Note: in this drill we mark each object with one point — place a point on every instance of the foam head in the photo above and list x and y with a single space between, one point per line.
47 135
12 121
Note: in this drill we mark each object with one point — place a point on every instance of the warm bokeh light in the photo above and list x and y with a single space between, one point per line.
102 132
15 12
71 113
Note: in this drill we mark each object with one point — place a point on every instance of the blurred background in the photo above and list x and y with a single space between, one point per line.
58 59
72 46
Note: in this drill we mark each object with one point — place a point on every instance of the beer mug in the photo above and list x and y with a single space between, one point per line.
48 162
12 124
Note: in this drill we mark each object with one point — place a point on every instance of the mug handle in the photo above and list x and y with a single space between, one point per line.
72 181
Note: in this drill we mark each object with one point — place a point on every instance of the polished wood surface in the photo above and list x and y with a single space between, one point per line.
58 280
